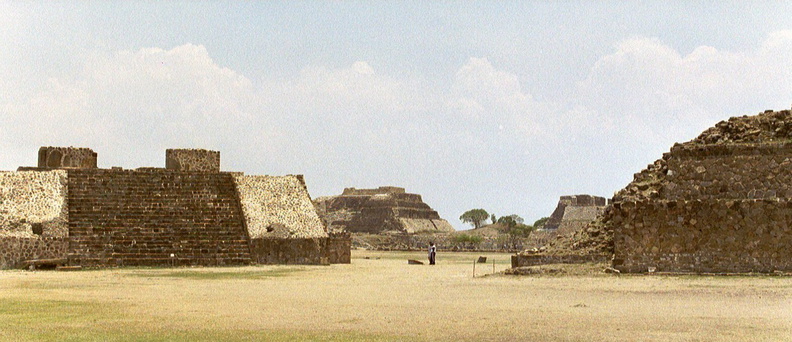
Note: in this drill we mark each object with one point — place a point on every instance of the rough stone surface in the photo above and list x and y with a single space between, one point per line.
574 212
160 217
339 248
703 235
278 207
385 209
66 157
192 160
16 249
289 251
719 203
33 204
154 217
527 259
383 190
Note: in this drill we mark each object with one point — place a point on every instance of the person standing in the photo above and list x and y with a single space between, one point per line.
432 253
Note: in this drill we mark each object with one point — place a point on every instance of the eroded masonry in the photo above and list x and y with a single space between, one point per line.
189 213
574 212
719 203
376 211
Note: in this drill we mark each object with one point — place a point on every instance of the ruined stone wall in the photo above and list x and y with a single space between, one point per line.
573 212
16 249
383 190
289 251
729 171
525 260
57 157
142 217
576 218
718 203
716 208
192 160
33 203
708 235
339 248
278 207
33 216
411 226
186 214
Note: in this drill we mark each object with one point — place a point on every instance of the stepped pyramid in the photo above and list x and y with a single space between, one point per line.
721 202
375 211
189 213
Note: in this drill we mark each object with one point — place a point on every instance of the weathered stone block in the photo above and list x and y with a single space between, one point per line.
66 157
192 160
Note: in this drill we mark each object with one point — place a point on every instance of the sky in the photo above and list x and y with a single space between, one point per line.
499 105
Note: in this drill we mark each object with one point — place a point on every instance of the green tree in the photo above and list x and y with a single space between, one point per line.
467 241
511 220
517 233
539 224
475 217
494 219
460 238
475 240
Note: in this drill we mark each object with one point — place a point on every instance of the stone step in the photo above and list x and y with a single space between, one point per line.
143 217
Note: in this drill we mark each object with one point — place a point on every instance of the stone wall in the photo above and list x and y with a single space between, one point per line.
416 225
186 214
524 260
58 157
576 218
339 248
708 235
574 212
192 160
383 190
443 241
719 203
708 208
728 171
16 249
278 207
33 204
154 217
289 251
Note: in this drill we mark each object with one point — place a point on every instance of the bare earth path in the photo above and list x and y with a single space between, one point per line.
383 298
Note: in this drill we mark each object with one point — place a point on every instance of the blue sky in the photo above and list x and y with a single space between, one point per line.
497 105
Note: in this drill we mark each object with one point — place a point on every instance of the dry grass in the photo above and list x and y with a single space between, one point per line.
384 299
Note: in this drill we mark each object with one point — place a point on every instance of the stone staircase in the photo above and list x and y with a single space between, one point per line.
155 217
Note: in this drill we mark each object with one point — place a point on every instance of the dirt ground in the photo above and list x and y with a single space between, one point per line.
379 297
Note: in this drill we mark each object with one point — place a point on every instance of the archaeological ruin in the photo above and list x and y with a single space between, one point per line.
721 203
574 212
189 213
381 210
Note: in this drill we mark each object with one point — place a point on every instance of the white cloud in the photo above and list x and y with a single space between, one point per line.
653 92
485 96
354 92
148 99
353 118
